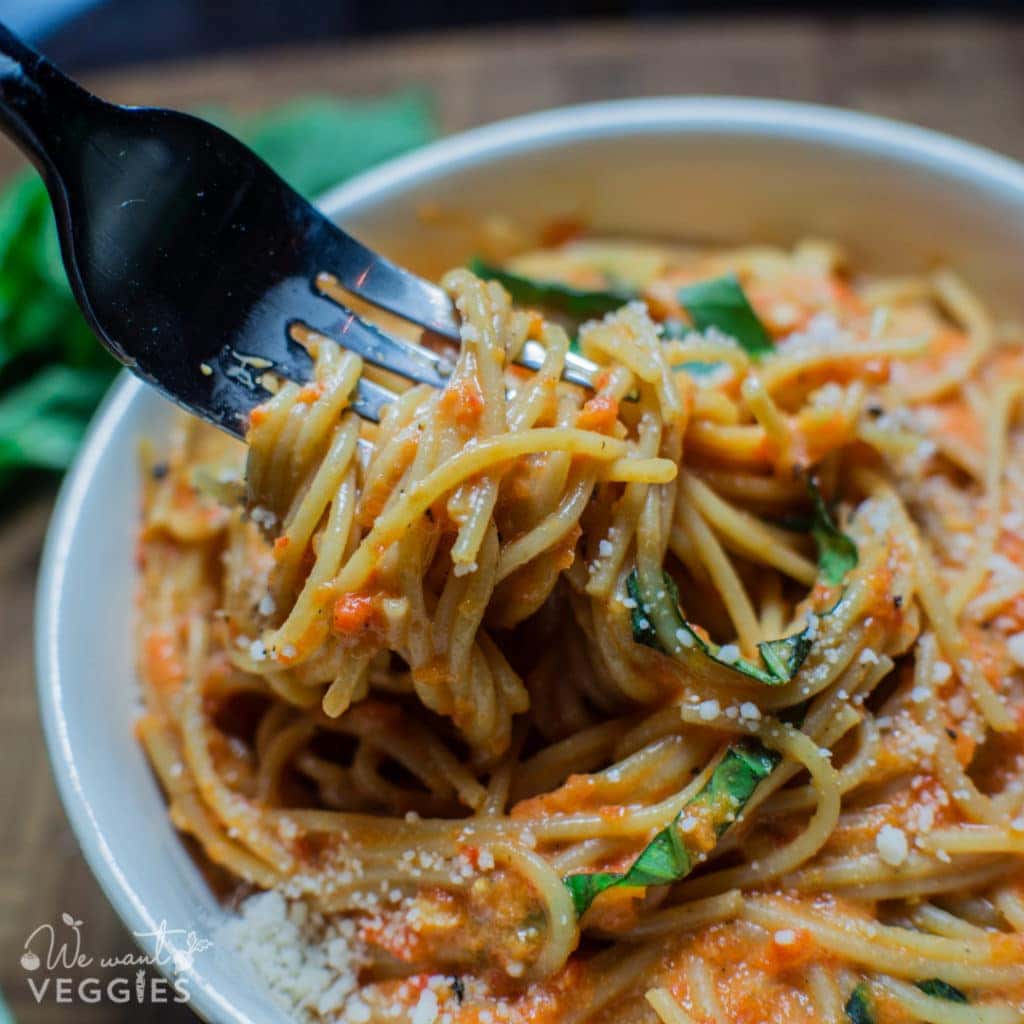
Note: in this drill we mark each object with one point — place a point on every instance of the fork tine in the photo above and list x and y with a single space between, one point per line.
576 370
383 283
390 287
370 399
414 362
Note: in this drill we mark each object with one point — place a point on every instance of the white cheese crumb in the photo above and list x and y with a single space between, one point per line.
684 637
785 937
919 694
868 657
310 973
266 605
257 651
941 672
892 845
1015 648
750 712
425 1011
605 548
708 710
357 1012
729 653
263 517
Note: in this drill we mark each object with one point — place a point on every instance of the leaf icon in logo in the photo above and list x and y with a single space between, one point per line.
67 919
29 960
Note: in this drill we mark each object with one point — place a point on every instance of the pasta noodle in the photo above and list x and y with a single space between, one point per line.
695 697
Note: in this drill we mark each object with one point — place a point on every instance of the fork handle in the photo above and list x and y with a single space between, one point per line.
42 110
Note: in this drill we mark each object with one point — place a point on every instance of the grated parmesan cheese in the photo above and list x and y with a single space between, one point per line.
709 709
425 1011
1015 648
892 846
308 966
729 653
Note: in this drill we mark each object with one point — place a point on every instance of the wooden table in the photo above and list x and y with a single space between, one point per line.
961 76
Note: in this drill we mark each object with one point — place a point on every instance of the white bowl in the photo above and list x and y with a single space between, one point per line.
716 169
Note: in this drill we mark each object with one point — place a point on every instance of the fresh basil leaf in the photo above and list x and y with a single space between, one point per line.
782 658
643 629
837 553
576 302
43 419
667 858
941 990
721 303
858 1006
785 655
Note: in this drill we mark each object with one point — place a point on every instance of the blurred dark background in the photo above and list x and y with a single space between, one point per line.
83 34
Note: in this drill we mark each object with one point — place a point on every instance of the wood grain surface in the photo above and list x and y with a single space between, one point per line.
961 76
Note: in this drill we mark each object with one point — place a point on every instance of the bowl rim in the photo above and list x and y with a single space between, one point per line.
726 116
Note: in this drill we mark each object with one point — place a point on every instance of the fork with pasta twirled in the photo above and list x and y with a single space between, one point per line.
199 267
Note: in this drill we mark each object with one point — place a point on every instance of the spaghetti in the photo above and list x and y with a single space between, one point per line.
698 697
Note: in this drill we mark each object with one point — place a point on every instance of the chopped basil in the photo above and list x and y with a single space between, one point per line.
577 302
837 553
667 858
858 1006
941 990
785 655
722 304
781 658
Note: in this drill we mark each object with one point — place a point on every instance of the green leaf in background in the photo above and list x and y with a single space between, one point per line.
317 142
721 303
667 858
43 418
53 372
37 314
528 291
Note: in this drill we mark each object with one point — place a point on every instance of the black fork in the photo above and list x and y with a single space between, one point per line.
193 261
